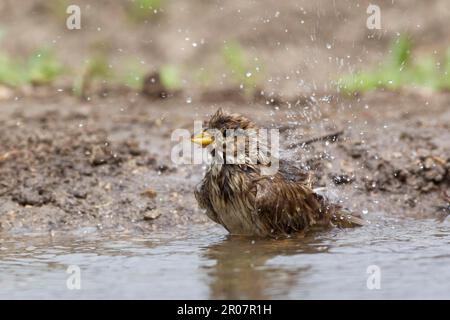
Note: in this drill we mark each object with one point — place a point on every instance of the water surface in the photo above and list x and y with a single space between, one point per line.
200 262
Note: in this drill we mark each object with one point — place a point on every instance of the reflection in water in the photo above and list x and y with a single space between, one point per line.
241 271
202 262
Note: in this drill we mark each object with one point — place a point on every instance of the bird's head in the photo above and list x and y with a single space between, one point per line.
229 137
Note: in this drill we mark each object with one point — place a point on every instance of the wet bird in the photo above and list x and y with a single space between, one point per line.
246 200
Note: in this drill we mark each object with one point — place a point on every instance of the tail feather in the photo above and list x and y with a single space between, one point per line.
337 215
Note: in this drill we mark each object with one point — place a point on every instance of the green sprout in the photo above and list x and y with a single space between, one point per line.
43 67
444 82
140 10
170 77
95 68
12 72
239 66
401 51
400 70
134 75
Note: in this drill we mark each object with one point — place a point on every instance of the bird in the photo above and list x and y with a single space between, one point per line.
245 200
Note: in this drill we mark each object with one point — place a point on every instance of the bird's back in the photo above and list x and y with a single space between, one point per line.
245 202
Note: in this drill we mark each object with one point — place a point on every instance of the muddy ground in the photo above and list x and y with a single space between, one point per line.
104 163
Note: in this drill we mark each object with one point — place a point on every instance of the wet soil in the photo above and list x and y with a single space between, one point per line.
105 163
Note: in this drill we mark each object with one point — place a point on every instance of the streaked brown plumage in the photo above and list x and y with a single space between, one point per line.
245 201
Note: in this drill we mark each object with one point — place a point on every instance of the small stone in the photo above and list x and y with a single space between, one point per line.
429 163
133 148
98 156
152 215
149 193
4 157
80 194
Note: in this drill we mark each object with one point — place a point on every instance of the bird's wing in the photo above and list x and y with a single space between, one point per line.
287 206
204 202
292 173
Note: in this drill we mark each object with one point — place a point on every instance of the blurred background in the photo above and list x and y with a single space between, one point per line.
289 47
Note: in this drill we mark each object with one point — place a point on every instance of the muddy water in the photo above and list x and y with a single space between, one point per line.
413 257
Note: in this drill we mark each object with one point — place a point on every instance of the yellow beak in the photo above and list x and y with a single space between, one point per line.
203 139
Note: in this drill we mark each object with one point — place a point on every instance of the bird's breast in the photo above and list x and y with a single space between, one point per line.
233 201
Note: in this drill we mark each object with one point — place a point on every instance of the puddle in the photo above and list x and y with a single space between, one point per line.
201 262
